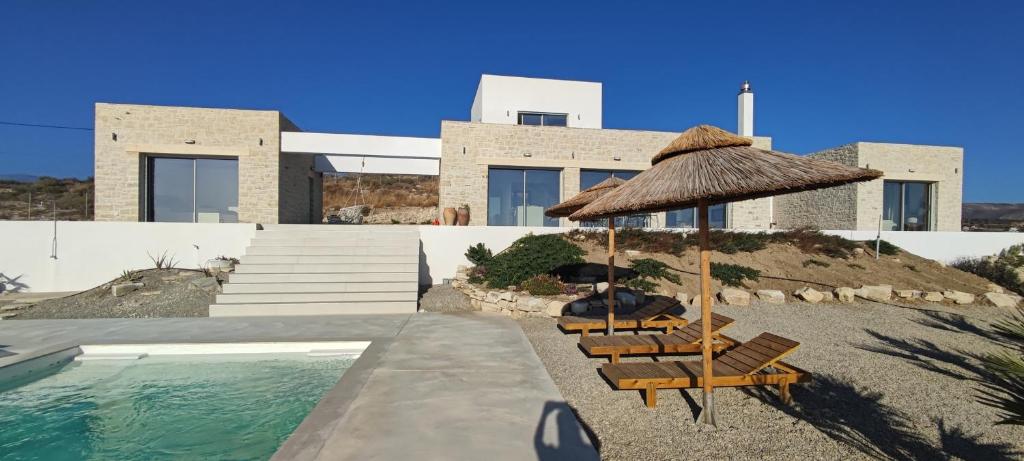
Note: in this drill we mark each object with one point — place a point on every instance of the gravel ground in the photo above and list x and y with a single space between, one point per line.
444 298
165 293
888 382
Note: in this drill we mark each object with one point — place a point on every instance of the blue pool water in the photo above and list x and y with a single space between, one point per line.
195 407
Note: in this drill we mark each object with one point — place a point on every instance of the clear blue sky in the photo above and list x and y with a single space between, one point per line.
825 74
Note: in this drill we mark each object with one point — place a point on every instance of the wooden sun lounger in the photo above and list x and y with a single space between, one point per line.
754 363
653 315
684 341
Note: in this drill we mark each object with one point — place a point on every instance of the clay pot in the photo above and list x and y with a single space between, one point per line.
449 216
463 216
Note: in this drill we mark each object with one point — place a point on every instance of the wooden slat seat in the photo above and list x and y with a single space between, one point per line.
684 341
754 363
655 314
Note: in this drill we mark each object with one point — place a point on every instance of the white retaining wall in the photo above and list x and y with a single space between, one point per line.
91 253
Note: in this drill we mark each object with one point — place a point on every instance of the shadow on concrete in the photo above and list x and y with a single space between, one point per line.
12 285
4 352
859 419
590 273
572 444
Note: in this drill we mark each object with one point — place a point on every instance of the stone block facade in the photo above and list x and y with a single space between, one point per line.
468 149
126 134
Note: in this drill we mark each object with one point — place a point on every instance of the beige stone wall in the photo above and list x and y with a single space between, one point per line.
469 149
126 133
832 208
300 188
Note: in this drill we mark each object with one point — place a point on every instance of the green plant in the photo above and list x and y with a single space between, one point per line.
884 247
995 270
479 254
812 241
162 262
1003 387
732 242
734 274
647 271
227 258
529 256
815 262
857 266
395 221
129 275
542 285
476 275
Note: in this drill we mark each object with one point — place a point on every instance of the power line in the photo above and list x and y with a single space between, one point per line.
37 125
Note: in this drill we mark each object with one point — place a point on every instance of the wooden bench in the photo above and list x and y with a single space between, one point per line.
655 314
685 341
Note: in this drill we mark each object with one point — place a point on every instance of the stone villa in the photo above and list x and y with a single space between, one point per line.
529 143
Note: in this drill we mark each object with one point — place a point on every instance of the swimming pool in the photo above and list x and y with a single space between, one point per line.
204 405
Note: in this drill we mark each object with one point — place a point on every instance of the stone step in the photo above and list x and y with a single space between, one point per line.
325 268
327 308
263 298
359 277
305 287
410 229
13 307
329 259
331 250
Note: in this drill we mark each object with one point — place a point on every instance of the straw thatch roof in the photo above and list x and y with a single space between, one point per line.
711 164
581 199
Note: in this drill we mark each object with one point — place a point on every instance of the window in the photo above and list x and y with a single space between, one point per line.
539 119
590 178
518 197
192 189
687 217
906 206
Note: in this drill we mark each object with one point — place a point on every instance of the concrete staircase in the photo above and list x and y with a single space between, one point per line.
324 270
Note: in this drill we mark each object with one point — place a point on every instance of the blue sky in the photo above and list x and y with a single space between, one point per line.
933 72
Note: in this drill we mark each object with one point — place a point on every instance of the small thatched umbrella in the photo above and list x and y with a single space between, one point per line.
581 200
706 166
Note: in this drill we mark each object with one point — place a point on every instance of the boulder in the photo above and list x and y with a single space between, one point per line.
771 296
625 298
858 251
554 308
934 297
734 297
600 287
121 289
632 253
827 297
994 288
507 296
670 292
809 294
531 304
908 294
998 300
492 297
579 307
695 302
879 293
489 307
958 297
845 295
681 297
205 284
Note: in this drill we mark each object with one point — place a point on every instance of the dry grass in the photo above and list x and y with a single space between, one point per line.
381 191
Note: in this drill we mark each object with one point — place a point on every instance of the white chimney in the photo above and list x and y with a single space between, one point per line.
745 110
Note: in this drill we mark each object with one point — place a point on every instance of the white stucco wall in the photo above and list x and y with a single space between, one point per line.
354 153
499 99
91 253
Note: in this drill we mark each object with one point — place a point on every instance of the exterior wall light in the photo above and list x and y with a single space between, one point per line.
190 141
527 154
617 158
113 136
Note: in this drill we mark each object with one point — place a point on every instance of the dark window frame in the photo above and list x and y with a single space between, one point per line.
148 176
543 118
524 171
902 204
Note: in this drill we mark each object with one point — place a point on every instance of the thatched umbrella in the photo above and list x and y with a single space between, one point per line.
581 200
707 166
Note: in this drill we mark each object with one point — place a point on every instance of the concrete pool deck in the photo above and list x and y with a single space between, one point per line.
430 386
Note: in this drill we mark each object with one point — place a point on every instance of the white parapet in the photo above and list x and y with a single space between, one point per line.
356 153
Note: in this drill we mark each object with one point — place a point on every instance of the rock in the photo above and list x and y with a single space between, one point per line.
827 297
934 296
994 288
600 287
205 284
734 297
879 293
554 308
958 297
461 269
505 304
489 307
695 302
858 251
809 294
632 253
461 276
670 292
771 296
526 303
681 297
625 298
121 289
492 297
998 300
579 307
507 296
908 294
845 295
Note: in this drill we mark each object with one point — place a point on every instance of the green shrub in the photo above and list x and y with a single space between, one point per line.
815 262
996 271
734 274
675 243
543 285
647 271
884 247
812 241
732 242
1003 386
529 256
479 254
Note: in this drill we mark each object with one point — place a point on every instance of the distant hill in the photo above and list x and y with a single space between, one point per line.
18 177
72 198
993 211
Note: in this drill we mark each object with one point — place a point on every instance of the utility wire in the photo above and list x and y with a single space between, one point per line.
36 125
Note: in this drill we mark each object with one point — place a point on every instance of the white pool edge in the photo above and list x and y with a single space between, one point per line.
310 348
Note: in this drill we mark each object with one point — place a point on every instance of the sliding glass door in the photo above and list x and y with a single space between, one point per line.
590 178
518 197
906 206
687 217
192 190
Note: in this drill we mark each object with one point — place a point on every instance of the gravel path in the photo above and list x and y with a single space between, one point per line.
444 298
889 383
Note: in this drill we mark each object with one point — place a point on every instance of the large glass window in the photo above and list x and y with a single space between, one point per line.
542 119
906 206
518 197
687 217
590 178
192 190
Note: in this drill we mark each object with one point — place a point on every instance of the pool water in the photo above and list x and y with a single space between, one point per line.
165 407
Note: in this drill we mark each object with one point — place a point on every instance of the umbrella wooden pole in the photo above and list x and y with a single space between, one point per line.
611 276
705 314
